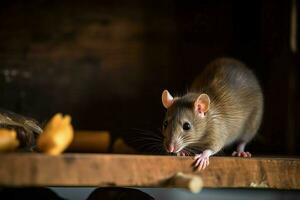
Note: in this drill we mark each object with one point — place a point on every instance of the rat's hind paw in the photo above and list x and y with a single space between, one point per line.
201 161
242 154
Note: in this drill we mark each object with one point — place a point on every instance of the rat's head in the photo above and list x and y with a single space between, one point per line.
185 120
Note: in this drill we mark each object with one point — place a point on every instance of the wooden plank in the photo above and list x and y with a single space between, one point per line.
144 171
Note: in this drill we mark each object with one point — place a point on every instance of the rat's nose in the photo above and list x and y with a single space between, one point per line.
171 148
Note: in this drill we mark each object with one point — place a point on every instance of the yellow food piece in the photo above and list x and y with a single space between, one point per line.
57 135
90 141
8 140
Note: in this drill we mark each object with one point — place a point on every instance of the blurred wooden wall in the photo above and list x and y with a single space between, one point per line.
107 62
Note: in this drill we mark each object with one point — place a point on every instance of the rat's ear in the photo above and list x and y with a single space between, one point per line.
202 104
167 99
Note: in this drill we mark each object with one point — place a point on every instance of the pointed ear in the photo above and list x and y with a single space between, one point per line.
167 99
202 104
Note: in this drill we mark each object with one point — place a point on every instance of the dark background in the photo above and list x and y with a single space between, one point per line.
106 62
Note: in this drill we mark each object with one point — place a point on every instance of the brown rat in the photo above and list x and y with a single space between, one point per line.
224 106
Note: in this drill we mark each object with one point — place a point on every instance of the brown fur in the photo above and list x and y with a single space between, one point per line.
235 111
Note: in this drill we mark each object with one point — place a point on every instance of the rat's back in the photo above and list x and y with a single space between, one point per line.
236 97
226 74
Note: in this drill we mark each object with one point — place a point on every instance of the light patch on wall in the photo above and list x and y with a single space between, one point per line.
12 74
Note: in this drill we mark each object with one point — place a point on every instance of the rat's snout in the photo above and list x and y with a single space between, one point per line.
171 147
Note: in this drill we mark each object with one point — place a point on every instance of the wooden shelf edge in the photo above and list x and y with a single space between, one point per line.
30 169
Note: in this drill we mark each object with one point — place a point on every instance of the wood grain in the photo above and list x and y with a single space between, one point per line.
144 171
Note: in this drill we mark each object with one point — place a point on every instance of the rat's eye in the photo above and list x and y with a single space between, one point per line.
186 126
165 124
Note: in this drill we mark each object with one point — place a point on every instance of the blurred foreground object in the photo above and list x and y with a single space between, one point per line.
32 193
8 140
191 182
57 136
26 129
111 193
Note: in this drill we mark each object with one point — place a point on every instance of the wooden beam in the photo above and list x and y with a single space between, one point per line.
30 169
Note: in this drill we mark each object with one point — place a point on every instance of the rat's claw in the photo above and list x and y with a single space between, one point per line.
181 153
242 154
246 154
201 161
197 156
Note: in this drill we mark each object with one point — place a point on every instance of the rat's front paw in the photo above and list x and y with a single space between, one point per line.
201 161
